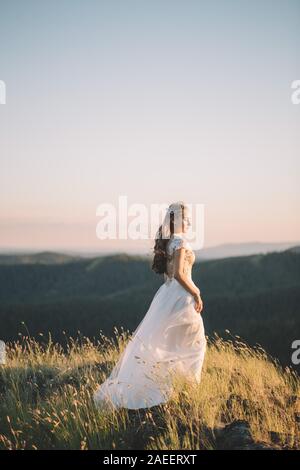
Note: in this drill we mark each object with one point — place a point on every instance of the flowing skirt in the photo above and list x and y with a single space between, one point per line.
169 342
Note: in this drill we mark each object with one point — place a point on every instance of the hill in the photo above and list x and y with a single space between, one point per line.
244 401
45 257
256 297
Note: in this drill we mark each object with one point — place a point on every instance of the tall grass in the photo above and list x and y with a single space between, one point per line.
46 399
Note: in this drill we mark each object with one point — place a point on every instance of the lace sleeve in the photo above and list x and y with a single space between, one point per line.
179 243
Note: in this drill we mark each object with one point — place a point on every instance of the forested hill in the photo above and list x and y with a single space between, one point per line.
256 297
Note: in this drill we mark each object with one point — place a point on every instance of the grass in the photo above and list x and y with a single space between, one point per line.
46 399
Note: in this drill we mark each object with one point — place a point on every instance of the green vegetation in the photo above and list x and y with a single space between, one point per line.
46 400
256 297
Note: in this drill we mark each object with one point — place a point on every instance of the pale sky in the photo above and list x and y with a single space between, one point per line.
158 100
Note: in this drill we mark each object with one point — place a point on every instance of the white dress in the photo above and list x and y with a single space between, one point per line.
169 341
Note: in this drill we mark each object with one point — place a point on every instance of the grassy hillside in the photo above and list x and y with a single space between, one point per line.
256 297
45 257
245 400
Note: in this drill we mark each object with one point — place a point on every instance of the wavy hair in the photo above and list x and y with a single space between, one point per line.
159 264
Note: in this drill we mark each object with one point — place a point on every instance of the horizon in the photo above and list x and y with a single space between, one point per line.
253 245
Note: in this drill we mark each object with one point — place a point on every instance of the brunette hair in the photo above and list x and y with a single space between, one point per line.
159 264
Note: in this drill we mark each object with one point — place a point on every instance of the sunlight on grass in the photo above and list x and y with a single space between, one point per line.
46 398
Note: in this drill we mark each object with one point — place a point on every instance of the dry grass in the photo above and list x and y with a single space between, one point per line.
46 399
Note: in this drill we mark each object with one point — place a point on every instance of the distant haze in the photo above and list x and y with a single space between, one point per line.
213 252
242 249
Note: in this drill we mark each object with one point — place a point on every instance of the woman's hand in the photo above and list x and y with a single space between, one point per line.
198 303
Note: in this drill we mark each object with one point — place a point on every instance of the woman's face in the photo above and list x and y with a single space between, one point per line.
186 223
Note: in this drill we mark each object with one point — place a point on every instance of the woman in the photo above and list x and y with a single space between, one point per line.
169 342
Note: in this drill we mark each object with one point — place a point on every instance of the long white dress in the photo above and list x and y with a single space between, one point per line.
168 342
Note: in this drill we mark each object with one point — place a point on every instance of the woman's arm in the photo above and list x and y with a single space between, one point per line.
180 276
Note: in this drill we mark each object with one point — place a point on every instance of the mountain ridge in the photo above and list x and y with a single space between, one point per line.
225 250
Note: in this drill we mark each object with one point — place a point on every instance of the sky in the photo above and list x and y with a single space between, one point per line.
159 100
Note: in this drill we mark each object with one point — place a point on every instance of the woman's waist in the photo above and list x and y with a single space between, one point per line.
172 280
